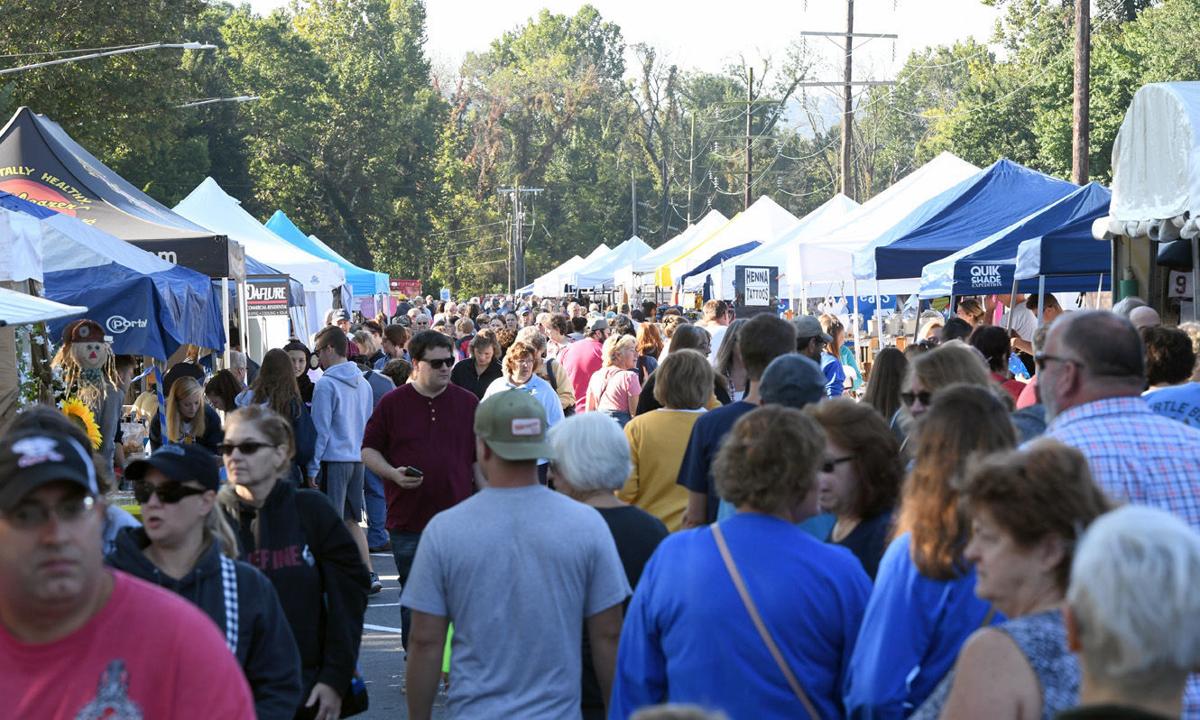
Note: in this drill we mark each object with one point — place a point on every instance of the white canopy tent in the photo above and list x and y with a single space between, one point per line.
544 286
825 264
600 275
828 216
764 220
630 276
210 206
17 308
1156 171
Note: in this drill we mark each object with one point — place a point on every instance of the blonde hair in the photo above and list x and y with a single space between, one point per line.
615 345
182 389
685 380
218 529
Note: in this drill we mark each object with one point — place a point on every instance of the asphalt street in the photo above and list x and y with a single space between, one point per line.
381 658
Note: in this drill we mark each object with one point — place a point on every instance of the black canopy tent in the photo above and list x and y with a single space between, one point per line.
39 162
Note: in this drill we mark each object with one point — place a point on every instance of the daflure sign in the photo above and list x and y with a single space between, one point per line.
267 295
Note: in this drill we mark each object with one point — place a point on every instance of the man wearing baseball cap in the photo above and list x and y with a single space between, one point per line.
76 639
584 357
518 569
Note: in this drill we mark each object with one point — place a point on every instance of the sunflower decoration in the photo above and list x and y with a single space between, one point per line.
82 415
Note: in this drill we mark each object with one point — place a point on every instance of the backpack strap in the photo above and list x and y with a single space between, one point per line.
229 586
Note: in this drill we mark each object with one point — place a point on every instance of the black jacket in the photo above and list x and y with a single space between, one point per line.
213 434
463 375
301 544
266 649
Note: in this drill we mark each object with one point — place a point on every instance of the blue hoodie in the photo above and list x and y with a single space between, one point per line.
342 404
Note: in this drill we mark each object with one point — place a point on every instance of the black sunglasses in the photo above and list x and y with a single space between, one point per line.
440 362
924 396
169 492
831 464
248 448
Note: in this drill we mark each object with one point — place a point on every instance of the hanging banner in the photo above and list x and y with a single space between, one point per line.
405 287
756 289
267 295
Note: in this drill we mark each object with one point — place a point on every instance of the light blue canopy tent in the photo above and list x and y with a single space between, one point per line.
363 283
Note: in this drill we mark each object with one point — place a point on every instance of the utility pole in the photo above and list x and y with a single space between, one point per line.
1083 54
749 123
633 228
848 106
847 83
691 167
517 241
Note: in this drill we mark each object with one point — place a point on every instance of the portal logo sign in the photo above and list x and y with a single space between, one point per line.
118 324
986 276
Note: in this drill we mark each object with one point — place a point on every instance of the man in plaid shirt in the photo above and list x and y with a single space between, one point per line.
1091 374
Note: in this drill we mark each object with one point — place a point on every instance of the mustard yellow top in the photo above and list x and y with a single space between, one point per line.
657 441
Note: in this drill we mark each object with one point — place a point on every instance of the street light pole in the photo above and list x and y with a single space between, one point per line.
107 53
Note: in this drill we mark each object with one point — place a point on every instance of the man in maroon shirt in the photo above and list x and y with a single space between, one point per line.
421 442
581 359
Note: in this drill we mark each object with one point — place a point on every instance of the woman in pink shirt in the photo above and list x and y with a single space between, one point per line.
613 389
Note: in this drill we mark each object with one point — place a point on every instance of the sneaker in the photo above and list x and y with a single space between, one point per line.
376 586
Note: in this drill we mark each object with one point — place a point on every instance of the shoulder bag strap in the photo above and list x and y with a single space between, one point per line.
765 634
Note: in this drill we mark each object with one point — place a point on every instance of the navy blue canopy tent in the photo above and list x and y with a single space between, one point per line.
974 209
146 313
1062 233
717 259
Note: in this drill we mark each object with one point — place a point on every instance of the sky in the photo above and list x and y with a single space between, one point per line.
705 35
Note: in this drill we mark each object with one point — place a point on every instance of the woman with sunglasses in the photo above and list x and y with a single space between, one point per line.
186 546
297 539
924 605
190 419
859 478
954 362
276 388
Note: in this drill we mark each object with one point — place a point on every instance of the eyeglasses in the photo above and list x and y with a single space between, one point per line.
831 464
440 362
248 448
32 515
169 492
1040 359
909 397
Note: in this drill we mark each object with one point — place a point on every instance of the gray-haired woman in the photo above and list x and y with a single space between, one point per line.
591 463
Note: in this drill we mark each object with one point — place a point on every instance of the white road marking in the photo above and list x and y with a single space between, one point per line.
395 604
381 628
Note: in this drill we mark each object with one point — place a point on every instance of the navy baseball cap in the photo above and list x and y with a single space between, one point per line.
33 458
184 463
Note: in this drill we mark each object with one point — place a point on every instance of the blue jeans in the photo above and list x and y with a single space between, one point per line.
376 502
404 549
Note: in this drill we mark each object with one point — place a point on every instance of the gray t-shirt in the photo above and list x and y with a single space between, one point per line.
517 571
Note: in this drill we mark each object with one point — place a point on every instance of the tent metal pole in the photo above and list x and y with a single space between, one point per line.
225 316
878 314
1195 278
857 322
243 317
1011 303
1041 298
1099 290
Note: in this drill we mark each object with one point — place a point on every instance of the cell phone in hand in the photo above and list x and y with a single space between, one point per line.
413 472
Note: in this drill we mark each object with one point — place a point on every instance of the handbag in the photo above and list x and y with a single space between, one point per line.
765 634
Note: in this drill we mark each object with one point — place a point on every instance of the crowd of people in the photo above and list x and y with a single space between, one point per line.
603 511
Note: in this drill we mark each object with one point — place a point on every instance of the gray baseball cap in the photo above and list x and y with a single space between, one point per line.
808 326
792 380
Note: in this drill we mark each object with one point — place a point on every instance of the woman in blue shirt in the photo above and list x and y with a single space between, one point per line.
688 637
924 606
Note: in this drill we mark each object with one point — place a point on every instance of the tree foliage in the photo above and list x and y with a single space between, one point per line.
363 146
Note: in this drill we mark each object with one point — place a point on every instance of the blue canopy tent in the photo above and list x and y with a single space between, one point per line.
987 267
363 283
974 209
150 308
716 260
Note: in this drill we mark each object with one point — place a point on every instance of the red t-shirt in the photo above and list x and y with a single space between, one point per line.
1028 397
436 435
581 359
147 654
